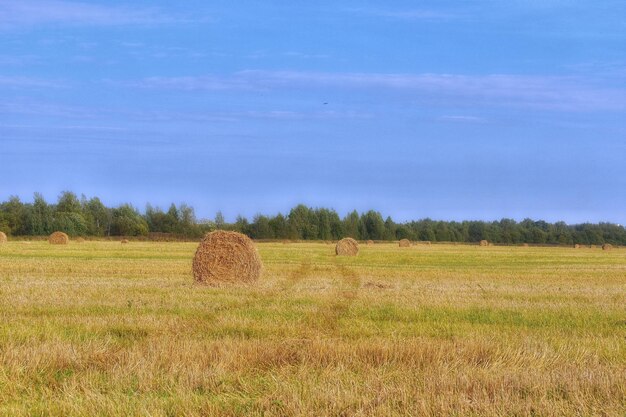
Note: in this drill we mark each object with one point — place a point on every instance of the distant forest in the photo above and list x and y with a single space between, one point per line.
91 218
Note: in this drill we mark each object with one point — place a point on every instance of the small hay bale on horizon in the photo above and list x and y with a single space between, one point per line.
607 246
484 243
124 241
404 243
525 245
226 257
576 246
58 238
79 240
369 242
347 247
3 237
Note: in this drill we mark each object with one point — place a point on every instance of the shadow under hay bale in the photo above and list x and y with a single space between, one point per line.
226 258
404 243
58 238
3 237
484 243
347 247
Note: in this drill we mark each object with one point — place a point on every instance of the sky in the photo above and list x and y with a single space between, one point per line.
448 109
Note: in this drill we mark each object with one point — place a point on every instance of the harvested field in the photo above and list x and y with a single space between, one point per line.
101 329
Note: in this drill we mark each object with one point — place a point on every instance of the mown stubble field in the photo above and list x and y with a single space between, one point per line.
103 329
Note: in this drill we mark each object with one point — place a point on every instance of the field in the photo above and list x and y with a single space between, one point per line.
103 329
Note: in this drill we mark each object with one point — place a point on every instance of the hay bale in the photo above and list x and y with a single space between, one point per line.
58 238
347 247
484 243
79 240
525 245
3 237
404 243
607 246
576 246
369 242
124 241
226 257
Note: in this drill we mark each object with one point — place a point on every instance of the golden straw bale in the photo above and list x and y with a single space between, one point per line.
226 257
347 247
404 243
58 238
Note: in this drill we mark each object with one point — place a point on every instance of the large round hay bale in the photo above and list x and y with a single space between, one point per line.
369 242
484 243
226 257
3 237
607 246
58 238
347 247
404 243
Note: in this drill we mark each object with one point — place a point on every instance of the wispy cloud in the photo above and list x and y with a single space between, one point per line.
461 119
546 92
407 14
20 13
27 82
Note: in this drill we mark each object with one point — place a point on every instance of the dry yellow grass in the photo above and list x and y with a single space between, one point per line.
100 329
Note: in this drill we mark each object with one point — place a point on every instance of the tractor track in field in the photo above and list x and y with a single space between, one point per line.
328 315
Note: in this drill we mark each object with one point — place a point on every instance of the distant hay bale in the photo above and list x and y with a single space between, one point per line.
58 238
124 241
484 243
404 243
347 247
525 245
226 257
79 240
369 242
576 246
3 237
607 246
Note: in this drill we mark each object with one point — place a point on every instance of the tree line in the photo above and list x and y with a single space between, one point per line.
91 218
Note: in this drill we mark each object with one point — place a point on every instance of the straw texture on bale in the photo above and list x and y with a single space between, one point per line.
404 243
484 243
347 247
369 242
3 237
226 257
607 246
58 238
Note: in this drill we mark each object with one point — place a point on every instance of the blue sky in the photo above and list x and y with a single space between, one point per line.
445 109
